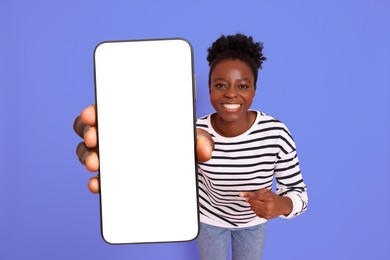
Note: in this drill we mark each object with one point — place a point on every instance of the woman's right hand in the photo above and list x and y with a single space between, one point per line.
85 126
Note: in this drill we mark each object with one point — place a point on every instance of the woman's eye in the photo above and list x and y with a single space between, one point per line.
220 85
244 86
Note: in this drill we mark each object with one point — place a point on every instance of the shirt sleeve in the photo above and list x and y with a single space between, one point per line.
289 180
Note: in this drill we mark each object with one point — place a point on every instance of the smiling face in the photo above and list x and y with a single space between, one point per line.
232 90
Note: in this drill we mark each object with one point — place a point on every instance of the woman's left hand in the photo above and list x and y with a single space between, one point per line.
267 204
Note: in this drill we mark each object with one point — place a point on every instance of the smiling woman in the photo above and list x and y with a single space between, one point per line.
251 149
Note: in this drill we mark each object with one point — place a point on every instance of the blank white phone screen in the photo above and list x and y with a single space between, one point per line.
146 131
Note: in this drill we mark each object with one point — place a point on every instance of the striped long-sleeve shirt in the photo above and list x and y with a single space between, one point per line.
248 162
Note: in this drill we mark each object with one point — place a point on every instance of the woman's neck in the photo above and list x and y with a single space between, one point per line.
233 128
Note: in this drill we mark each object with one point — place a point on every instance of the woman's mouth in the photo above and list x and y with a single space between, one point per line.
231 107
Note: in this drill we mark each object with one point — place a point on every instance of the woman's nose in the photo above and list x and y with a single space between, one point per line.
231 92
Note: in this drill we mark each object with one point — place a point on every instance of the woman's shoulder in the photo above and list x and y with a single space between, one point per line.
266 119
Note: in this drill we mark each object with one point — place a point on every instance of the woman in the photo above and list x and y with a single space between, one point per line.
240 151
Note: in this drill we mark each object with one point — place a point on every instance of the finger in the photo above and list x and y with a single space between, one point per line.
257 194
82 152
204 145
92 162
88 115
90 137
265 194
88 157
93 185
262 194
80 127
260 208
247 195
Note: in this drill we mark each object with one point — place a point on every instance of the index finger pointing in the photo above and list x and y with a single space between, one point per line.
247 195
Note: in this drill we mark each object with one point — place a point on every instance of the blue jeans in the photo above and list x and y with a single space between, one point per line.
247 243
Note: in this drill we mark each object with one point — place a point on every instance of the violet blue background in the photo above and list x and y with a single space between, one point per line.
327 77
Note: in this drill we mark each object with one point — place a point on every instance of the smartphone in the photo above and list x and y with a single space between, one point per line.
145 100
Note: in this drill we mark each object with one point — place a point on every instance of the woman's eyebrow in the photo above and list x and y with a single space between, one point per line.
246 79
243 79
218 78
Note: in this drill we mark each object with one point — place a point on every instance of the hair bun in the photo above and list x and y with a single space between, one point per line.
236 46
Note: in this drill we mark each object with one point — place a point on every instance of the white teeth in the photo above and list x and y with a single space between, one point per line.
231 106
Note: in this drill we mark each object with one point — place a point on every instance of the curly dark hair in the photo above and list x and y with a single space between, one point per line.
237 46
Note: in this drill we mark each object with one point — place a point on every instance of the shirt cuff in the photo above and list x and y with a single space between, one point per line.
297 206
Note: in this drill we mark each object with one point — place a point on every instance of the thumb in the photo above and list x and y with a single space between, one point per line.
204 145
